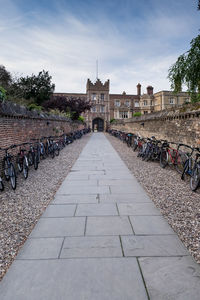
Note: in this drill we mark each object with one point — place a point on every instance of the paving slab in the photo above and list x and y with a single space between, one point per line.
150 225
70 199
78 176
124 198
83 190
171 278
89 246
117 182
57 211
41 248
96 210
114 225
155 245
59 227
127 189
137 209
88 168
79 183
74 279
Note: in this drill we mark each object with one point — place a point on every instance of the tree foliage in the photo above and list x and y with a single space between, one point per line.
74 105
186 70
39 88
2 94
5 78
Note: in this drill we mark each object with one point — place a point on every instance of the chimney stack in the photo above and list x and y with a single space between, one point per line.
139 89
149 90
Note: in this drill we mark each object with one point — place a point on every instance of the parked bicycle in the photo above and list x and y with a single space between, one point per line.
172 156
1 184
9 169
34 155
22 160
195 176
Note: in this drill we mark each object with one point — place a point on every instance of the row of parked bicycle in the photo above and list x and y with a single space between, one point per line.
30 154
185 158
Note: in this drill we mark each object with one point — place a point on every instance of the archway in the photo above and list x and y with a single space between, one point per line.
98 124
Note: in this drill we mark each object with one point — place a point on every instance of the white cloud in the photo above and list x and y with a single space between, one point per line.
69 47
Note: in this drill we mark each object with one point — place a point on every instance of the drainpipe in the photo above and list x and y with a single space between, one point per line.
162 106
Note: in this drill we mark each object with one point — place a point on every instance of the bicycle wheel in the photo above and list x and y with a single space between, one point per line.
19 163
30 158
1 185
35 162
56 150
148 156
195 178
52 152
6 170
25 169
180 162
13 177
134 147
185 169
163 158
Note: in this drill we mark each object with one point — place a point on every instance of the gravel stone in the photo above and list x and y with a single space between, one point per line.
21 209
176 202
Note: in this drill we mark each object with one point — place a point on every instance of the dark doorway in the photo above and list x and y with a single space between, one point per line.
98 124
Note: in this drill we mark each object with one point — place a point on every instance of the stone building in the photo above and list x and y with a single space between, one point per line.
106 106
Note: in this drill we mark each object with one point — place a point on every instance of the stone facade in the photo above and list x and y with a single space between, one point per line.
180 125
106 106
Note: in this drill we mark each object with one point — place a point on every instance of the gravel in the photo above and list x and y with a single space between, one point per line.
177 203
21 209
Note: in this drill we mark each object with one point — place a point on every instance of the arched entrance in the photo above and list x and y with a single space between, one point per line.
98 124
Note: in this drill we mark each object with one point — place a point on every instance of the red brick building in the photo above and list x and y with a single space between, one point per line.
108 106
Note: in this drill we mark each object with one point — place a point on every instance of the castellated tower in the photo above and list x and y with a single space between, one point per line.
99 116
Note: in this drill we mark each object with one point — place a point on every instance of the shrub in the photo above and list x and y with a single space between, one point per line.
137 114
112 120
81 118
34 106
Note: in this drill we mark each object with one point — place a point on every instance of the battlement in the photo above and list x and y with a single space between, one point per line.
98 85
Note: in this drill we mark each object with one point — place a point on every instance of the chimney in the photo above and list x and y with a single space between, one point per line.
149 90
139 89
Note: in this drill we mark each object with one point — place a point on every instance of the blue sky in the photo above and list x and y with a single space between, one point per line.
133 40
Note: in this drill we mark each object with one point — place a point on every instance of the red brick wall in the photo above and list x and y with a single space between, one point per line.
16 130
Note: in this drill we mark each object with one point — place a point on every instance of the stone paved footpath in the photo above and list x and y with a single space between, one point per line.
101 238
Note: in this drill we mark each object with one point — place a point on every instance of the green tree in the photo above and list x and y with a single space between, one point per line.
2 94
39 88
5 78
186 70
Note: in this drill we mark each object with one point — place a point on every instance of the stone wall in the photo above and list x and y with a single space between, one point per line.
18 125
177 125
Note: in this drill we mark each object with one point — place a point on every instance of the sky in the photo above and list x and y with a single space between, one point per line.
133 40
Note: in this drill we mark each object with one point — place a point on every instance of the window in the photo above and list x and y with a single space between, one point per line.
102 109
151 102
145 112
127 103
117 103
137 104
145 103
171 101
94 96
102 96
93 109
123 115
